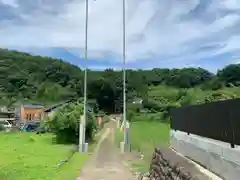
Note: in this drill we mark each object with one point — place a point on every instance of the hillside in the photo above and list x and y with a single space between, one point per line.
33 78
24 77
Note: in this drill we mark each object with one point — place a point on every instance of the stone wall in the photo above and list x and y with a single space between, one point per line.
161 168
168 165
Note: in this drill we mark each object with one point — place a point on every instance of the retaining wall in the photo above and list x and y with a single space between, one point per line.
168 165
216 156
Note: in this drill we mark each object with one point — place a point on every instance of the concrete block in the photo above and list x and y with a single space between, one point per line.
86 148
118 124
232 154
122 147
216 164
230 170
216 156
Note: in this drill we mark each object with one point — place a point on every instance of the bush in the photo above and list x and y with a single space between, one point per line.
44 127
217 96
100 113
213 84
2 128
65 124
152 105
130 115
132 110
181 94
186 100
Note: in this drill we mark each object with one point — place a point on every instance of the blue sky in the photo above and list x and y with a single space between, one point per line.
160 33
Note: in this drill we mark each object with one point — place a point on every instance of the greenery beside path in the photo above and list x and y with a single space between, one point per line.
28 156
145 136
31 156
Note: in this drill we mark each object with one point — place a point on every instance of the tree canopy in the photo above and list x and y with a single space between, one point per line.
24 77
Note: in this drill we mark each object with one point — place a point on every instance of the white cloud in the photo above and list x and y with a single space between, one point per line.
12 3
163 29
101 68
231 4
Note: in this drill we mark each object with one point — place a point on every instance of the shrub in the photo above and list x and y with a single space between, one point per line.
217 96
2 128
100 113
181 94
213 84
44 127
132 110
152 105
65 124
186 100
130 115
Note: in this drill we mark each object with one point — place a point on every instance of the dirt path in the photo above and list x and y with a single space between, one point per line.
106 163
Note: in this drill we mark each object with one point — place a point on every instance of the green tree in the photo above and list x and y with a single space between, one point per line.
65 124
230 74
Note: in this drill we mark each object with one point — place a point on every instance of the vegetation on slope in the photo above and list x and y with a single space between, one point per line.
40 79
24 77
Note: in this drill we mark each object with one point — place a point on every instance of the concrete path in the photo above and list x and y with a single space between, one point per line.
106 163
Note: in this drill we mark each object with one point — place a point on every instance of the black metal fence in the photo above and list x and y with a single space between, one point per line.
217 120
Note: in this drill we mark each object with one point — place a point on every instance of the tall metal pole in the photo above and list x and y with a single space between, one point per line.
124 75
85 83
85 72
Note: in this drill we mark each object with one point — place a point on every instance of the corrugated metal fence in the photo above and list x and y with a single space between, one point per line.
217 120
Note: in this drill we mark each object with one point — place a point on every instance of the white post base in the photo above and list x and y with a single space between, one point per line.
122 147
118 124
83 148
86 148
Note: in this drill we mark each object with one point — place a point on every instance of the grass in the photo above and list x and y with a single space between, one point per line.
148 132
196 94
145 136
27 156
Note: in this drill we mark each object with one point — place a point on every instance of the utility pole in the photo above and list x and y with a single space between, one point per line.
82 128
126 146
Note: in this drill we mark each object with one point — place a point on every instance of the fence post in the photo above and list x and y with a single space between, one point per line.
232 128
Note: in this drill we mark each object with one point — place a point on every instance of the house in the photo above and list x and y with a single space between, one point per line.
32 112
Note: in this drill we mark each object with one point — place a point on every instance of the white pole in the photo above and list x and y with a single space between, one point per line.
124 76
81 135
85 80
85 72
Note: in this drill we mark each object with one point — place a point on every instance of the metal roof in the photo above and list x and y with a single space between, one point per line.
33 106
49 109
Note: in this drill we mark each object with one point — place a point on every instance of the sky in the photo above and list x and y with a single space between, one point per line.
159 33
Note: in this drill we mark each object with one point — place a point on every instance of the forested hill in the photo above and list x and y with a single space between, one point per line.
24 77
27 77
